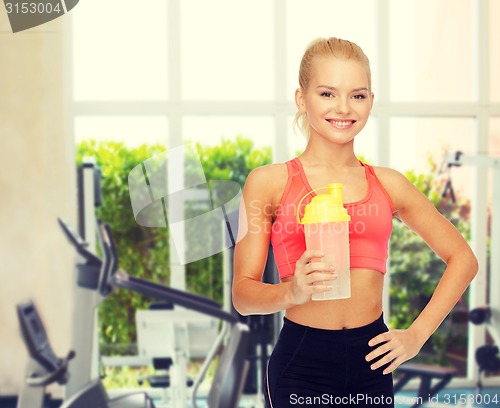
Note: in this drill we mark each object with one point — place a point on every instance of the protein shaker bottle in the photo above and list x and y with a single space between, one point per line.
326 227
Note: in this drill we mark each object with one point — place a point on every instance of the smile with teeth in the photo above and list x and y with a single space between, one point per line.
341 124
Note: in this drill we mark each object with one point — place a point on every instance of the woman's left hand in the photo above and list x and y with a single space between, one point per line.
397 347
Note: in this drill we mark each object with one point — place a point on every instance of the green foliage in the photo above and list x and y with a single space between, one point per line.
125 377
416 269
230 160
144 252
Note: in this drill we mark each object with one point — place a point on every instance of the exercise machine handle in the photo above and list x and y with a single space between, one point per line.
60 375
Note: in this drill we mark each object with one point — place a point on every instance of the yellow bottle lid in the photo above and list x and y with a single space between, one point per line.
326 207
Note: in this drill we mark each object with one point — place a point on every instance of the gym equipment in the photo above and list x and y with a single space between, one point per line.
264 329
46 368
163 343
487 355
170 337
426 373
231 370
84 339
83 388
446 166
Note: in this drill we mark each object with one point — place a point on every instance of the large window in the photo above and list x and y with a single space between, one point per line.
173 71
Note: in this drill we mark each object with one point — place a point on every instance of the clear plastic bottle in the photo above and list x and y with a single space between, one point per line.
326 227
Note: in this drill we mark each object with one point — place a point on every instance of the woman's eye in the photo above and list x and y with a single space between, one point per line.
327 94
359 96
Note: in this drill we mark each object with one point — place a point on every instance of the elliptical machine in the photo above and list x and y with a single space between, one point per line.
231 372
45 368
83 388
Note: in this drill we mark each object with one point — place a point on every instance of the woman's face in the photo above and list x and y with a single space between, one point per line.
338 99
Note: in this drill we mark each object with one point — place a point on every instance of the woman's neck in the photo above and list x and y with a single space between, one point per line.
330 155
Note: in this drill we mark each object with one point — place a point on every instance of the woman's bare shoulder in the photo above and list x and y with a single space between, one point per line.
269 179
397 185
389 175
269 174
274 169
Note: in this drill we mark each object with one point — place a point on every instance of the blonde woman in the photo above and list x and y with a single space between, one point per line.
337 352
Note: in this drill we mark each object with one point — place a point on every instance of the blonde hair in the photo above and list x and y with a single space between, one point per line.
326 47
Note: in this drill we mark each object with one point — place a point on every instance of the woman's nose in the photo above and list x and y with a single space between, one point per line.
342 106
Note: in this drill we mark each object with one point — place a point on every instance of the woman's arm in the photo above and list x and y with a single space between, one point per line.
420 215
250 294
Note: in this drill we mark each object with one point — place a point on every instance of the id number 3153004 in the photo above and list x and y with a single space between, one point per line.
34 8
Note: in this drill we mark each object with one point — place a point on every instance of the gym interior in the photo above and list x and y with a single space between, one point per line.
106 302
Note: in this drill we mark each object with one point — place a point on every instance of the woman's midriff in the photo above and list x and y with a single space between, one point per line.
363 307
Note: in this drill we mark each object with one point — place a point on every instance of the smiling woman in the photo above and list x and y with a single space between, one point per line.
340 347
344 104
341 83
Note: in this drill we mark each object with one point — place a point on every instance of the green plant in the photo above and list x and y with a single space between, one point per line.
144 252
416 269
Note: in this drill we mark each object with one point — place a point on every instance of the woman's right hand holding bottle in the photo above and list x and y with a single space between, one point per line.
311 276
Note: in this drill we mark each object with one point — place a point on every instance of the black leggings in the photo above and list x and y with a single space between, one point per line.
326 368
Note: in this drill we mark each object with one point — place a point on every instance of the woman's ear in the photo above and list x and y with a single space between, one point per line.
373 98
299 100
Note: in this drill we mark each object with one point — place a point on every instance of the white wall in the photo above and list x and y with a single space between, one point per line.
37 184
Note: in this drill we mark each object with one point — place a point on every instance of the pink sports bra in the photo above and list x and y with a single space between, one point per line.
369 229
